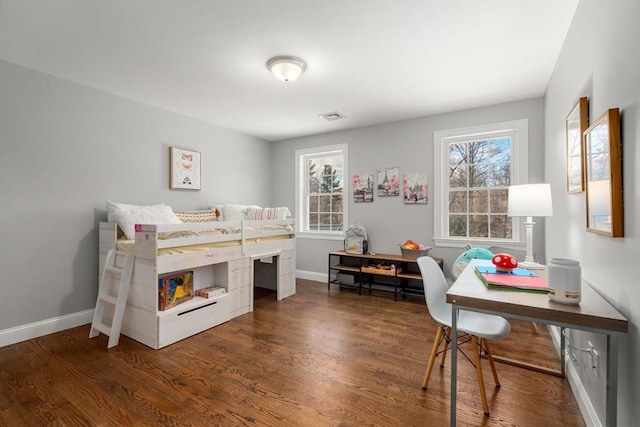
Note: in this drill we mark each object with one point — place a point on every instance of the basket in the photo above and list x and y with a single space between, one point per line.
414 253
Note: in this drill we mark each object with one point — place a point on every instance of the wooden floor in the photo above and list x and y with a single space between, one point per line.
314 359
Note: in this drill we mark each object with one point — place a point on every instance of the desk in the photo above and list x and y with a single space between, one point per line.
593 314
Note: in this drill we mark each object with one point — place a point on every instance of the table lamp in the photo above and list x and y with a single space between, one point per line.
530 200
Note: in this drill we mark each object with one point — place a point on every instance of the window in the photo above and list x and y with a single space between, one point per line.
321 208
473 169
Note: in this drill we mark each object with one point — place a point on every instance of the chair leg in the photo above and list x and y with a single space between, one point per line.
476 356
446 347
432 358
485 342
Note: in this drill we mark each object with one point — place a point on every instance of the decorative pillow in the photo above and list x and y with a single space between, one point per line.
268 213
113 207
233 212
218 208
205 215
127 216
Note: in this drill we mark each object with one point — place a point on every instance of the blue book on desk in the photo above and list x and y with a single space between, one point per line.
508 281
519 271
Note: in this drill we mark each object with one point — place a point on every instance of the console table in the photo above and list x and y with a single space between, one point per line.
374 272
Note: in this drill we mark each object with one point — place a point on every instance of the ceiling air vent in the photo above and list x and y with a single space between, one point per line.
332 116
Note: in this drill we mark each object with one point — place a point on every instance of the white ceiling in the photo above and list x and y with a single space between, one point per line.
373 61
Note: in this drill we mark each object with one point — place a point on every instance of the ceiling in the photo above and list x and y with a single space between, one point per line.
372 61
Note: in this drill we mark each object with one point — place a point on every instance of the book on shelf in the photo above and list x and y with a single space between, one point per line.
519 279
211 292
174 289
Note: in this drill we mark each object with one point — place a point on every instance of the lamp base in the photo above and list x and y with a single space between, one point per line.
531 265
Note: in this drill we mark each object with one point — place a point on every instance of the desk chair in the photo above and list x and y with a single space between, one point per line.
476 327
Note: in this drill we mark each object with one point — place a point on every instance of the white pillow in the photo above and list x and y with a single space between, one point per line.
268 213
113 207
127 216
233 212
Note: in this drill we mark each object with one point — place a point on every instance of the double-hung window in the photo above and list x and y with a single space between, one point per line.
473 169
321 208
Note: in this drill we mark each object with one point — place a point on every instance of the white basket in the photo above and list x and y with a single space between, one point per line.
414 253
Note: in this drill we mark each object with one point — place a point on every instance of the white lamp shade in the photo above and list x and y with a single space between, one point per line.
530 200
286 68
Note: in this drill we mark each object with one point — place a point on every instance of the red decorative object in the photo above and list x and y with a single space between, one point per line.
504 262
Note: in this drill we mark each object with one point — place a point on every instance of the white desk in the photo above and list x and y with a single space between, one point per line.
593 314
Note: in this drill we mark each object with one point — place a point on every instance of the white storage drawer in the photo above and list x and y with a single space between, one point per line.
191 318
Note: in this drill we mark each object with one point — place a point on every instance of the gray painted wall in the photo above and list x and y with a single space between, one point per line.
407 144
600 59
64 149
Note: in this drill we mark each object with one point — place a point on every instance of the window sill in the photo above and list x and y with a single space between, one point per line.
319 236
447 242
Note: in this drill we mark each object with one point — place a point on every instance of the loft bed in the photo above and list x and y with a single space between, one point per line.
219 253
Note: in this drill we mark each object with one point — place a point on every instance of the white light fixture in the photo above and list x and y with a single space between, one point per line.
530 200
286 68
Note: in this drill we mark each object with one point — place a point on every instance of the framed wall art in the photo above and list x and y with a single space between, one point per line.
184 169
363 188
603 175
388 182
576 123
416 190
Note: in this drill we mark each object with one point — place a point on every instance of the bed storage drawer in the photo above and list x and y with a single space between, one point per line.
185 320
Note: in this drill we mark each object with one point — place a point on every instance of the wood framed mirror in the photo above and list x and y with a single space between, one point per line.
603 175
576 123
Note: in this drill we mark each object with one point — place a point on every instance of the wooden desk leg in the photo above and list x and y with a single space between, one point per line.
454 362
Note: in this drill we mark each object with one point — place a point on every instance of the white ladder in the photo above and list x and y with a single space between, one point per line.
118 301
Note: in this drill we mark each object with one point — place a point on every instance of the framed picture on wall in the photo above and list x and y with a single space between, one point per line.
388 182
576 123
603 175
416 189
184 169
363 188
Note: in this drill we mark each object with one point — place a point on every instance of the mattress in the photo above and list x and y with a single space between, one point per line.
129 245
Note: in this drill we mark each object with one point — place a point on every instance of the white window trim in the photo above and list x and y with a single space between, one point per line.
301 211
519 175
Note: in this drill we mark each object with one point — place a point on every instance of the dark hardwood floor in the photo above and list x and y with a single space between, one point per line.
314 359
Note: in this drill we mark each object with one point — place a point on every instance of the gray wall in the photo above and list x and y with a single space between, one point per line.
600 59
64 149
409 145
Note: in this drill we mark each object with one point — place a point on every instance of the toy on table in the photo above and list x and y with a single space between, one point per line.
471 253
504 262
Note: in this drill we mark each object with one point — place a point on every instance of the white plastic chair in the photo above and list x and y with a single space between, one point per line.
476 327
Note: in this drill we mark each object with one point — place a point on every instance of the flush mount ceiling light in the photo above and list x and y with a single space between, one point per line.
286 68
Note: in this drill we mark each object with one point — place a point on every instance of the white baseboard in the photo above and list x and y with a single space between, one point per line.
311 275
587 410
57 324
44 327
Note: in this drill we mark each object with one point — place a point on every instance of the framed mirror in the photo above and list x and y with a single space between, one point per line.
576 123
603 175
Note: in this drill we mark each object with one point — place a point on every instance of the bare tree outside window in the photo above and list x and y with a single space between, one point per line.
479 175
325 193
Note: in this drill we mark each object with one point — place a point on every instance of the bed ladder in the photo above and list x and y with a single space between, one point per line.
112 274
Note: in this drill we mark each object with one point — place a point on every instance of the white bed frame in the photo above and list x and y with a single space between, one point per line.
230 266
